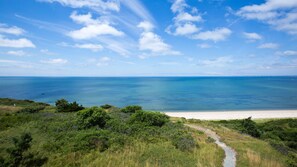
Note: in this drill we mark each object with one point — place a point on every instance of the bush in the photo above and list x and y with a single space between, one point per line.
184 142
64 106
90 117
93 140
250 127
32 109
106 106
19 155
131 109
149 118
20 103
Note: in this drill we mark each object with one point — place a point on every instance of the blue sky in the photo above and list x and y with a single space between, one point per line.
148 37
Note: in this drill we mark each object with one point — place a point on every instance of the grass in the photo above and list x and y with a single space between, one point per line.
57 137
251 151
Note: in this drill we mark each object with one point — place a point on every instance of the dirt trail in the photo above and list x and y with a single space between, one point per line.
230 154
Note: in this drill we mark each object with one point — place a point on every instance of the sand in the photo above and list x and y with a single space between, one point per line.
227 115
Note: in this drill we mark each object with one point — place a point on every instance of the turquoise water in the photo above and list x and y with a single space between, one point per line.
159 93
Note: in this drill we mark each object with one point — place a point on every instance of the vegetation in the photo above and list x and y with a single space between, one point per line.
131 109
149 118
280 134
99 137
64 106
110 136
90 117
106 106
19 156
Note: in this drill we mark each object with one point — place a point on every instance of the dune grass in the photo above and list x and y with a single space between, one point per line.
56 136
251 152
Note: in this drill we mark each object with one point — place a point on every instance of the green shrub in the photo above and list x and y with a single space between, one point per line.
184 142
20 103
64 106
92 140
131 109
19 156
149 118
106 106
90 117
250 127
31 109
116 125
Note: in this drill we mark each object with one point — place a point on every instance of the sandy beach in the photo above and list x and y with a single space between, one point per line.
227 115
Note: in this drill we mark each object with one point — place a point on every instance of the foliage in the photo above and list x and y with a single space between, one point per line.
83 139
184 142
90 117
21 103
64 106
32 109
131 109
19 156
106 106
250 127
149 118
281 134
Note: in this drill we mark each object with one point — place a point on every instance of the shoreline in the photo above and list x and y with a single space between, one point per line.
228 115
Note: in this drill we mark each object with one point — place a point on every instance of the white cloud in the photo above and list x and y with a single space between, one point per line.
92 31
150 41
288 53
40 24
270 5
16 43
186 29
169 63
11 30
178 6
16 53
219 34
146 26
138 8
252 36
268 46
217 62
93 28
47 52
93 47
16 64
118 48
55 61
281 15
84 19
187 17
204 46
184 21
97 5
103 61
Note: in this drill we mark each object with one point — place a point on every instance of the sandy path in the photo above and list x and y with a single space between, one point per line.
230 154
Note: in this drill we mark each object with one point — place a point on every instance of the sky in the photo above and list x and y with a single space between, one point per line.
148 37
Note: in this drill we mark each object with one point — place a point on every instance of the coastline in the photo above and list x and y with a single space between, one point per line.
228 115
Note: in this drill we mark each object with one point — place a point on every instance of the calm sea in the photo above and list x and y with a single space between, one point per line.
159 93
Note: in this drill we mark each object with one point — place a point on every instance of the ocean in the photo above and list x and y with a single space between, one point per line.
160 93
